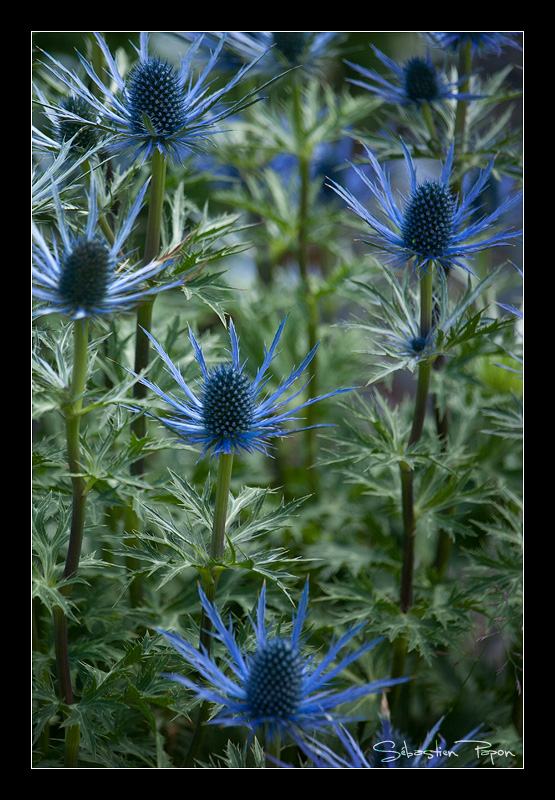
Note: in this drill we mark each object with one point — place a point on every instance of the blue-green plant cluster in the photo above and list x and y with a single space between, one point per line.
277 400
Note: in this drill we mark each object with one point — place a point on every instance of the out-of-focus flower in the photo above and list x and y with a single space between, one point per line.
272 50
416 81
480 41
74 121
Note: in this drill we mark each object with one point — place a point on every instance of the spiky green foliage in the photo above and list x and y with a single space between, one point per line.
179 522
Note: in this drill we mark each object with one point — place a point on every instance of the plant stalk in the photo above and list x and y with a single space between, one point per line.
465 68
142 343
273 749
79 492
311 309
210 581
407 479
424 370
444 542
151 252
225 466
429 121
407 474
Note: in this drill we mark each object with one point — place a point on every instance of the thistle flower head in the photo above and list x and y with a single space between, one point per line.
73 121
157 106
275 680
227 402
428 219
431 225
155 99
291 44
420 80
409 344
480 41
418 344
414 82
228 413
346 753
278 685
85 275
271 50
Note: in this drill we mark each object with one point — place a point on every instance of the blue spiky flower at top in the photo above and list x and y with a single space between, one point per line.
159 106
229 414
277 685
431 224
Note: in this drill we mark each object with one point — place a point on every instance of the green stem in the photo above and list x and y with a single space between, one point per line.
409 525
155 208
73 422
79 491
422 388
210 581
225 465
311 309
142 343
443 552
444 542
429 120
426 308
407 478
465 67
400 648
273 748
73 735
151 252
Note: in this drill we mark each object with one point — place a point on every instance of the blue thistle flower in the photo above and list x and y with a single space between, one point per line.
158 106
418 81
74 123
431 754
430 225
277 686
426 756
480 41
291 44
410 344
88 276
227 416
272 50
